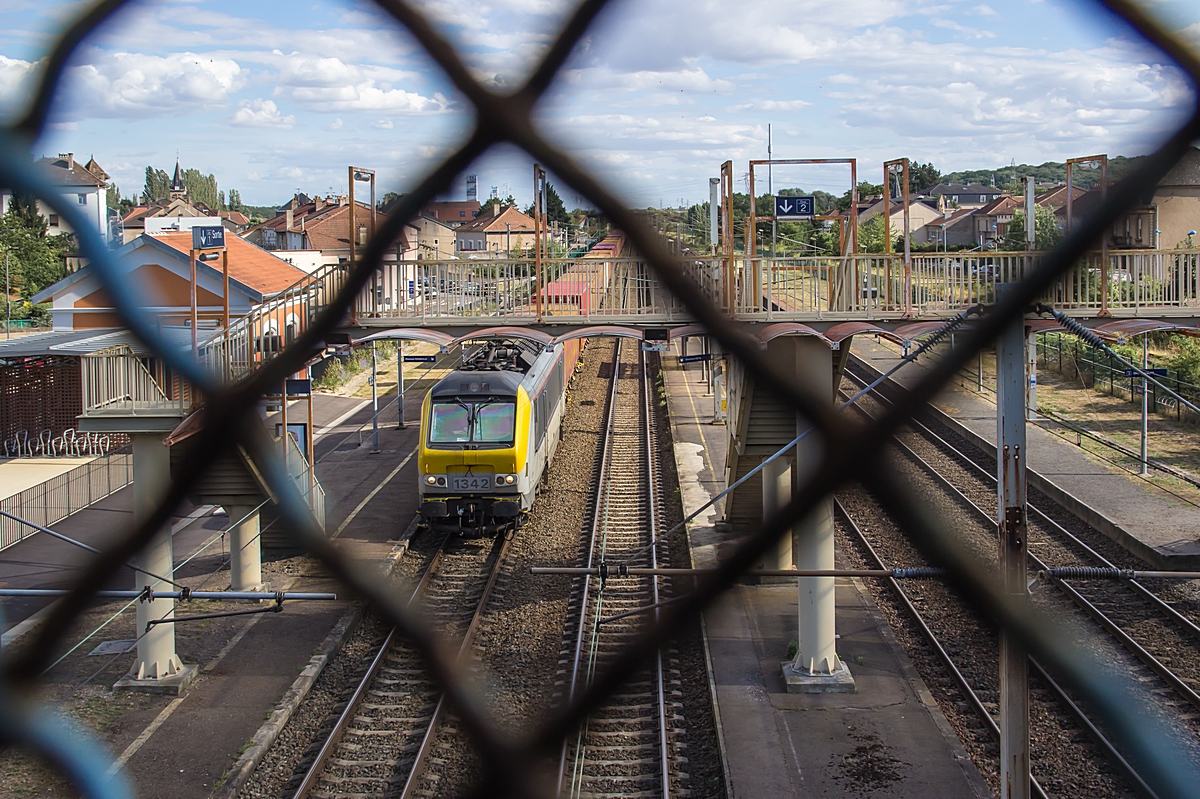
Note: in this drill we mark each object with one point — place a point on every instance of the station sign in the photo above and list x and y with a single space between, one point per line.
298 387
420 359
208 238
707 356
1155 372
795 207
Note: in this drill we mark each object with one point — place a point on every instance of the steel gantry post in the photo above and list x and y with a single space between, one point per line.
374 400
1011 458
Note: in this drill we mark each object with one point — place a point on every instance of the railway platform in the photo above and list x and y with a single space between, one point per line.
888 738
248 666
1154 525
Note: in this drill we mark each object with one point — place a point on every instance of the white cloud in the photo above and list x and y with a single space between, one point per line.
974 33
368 97
336 124
260 113
383 124
132 85
15 80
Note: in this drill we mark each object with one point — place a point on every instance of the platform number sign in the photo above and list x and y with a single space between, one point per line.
795 207
208 238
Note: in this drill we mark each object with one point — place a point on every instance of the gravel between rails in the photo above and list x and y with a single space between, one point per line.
524 623
517 647
1064 760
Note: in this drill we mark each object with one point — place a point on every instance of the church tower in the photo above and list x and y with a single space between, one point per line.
178 187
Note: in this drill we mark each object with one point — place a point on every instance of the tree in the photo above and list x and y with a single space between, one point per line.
1046 231
923 176
865 189
507 202
35 259
870 236
157 186
202 188
235 201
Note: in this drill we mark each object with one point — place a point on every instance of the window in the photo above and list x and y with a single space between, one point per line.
451 423
362 235
494 421
1140 220
490 422
53 220
983 198
82 198
954 198
462 213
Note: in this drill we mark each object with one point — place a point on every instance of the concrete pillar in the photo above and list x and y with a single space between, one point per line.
245 548
816 667
777 492
156 658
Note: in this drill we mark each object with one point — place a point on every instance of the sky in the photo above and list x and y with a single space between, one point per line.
274 96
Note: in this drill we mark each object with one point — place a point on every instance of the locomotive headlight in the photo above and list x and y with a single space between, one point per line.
509 479
431 480
505 479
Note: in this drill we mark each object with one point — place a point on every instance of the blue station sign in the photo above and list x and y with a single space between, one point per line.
1155 372
707 356
795 207
420 359
208 238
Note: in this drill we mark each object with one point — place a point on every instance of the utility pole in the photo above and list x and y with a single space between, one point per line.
374 402
1011 458
7 300
400 382
508 240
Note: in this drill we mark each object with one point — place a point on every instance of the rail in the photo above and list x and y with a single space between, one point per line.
53 500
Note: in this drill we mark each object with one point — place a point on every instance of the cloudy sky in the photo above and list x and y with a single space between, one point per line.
278 95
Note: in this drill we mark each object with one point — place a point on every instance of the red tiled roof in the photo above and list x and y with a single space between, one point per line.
516 220
249 265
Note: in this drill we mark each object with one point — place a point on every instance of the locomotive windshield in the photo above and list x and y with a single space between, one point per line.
488 422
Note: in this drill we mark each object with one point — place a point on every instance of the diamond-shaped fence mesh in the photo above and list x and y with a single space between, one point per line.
851 454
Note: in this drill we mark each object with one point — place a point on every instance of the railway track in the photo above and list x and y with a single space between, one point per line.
630 746
381 742
1134 617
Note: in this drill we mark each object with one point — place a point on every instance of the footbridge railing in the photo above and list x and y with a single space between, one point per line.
625 290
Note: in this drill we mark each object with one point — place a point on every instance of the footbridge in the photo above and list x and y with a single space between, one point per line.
558 297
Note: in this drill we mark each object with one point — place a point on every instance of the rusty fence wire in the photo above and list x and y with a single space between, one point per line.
512 767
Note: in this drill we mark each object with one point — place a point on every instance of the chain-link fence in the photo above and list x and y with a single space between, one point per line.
512 767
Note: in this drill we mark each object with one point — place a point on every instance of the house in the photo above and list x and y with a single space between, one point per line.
452 213
503 233
965 195
83 185
992 220
955 229
435 240
324 225
919 215
160 267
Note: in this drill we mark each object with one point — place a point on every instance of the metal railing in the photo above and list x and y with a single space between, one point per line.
55 499
303 477
116 382
510 765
